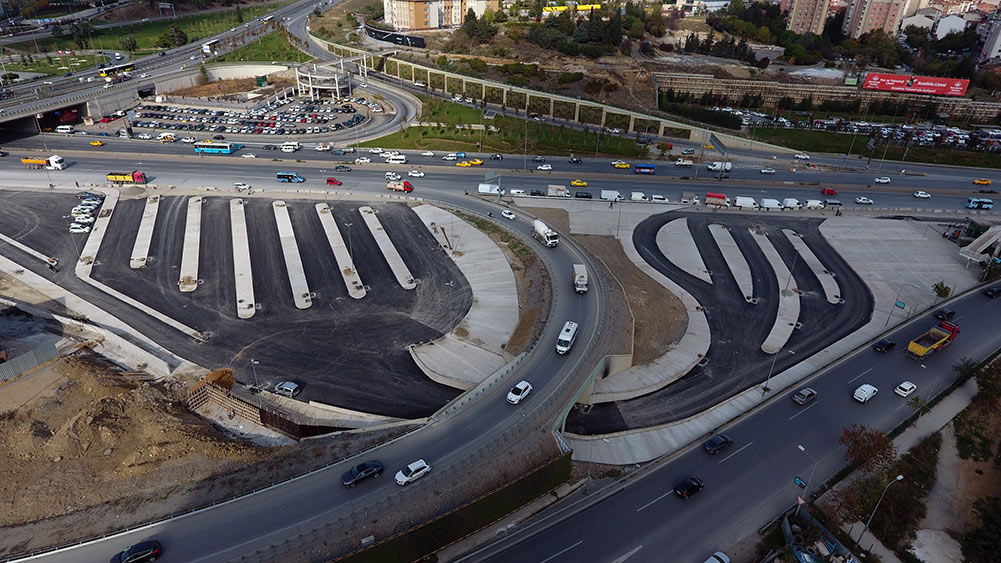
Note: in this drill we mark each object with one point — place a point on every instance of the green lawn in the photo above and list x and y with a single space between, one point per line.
146 34
271 47
510 138
55 65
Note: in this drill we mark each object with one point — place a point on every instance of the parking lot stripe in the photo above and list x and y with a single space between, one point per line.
293 260
341 253
242 273
140 250
189 252
396 263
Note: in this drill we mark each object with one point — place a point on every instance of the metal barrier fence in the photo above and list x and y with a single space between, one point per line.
27 361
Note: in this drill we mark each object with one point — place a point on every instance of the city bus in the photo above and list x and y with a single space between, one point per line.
979 203
216 147
289 177
210 48
644 169
117 69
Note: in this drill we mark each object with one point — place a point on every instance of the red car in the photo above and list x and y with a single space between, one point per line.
333 182
829 191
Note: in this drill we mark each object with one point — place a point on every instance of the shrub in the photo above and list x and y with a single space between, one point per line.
570 77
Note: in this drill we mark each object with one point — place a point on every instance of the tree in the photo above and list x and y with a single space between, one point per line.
128 43
941 290
867 448
469 24
626 47
989 381
500 16
656 23
636 30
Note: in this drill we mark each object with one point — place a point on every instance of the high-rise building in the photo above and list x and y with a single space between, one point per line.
808 16
413 15
992 43
868 15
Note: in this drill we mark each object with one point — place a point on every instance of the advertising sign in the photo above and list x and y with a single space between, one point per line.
916 84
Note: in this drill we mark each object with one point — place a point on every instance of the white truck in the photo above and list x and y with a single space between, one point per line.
322 147
769 203
720 166
580 278
54 162
556 190
742 202
545 235
489 189
611 195
638 196
683 162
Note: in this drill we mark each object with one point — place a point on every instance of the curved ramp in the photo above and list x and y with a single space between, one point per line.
676 242
787 315
831 288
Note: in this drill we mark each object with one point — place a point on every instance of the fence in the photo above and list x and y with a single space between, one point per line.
27 361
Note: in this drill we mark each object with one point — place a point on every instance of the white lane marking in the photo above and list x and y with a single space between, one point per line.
555 555
736 452
654 500
628 555
803 410
860 375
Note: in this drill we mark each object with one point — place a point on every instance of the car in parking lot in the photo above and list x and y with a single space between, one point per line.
905 389
149 550
865 392
982 181
993 292
333 182
767 170
920 194
579 183
545 167
415 174
77 228
360 472
518 393
717 443
287 388
944 314
804 396
688 486
83 219
828 191
412 472
862 200
508 214
884 345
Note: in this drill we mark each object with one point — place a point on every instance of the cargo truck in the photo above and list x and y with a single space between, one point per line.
545 235
720 166
580 278
683 162
134 177
403 186
935 339
556 190
717 199
54 162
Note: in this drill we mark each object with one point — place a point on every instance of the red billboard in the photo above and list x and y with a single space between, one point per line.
916 84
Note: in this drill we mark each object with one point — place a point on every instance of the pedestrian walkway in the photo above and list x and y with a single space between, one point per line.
293 260
675 241
831 289
189 250
356 289
787 315
389 252
735 259
243 276
144 237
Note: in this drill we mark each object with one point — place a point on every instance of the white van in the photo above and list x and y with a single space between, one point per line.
165 137
814 204
745 203
290 146
518 192
397 159
768 203
566 338
637 196
65 129
791 203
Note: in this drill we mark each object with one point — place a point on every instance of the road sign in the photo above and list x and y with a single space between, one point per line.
900 305
800 501
800 483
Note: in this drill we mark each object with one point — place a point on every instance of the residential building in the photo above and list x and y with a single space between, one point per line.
992 43
808 16
917 20
913 6
415 15
869 15
949 24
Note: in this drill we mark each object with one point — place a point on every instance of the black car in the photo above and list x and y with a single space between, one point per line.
945 314
218 137
688 487
538 158
993 292
537 193
884 345
342 168
717 443
496 157
575 160
583 195
361 472
269 147
142 551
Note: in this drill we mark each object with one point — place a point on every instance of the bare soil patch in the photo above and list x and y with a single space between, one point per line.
232 86
979 476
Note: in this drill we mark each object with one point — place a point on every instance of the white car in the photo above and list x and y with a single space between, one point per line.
363 160
767 170
862 200
415 174
618 162
545 167
508 214
412 472
375 150
144 136
801 156
188 140
922 195
427 153
451 156
905 389
144 75
248 155
393 176
240 186
865 392
519 392
77 228
882 180
83 219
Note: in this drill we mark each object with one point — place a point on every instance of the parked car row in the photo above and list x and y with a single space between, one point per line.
82 215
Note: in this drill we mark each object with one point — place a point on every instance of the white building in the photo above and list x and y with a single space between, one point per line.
992 45
917 20
949 24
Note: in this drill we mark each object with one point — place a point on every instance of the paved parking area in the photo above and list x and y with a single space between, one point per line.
344 351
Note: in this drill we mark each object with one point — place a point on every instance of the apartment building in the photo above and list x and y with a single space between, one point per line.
416 15
808 16
869 15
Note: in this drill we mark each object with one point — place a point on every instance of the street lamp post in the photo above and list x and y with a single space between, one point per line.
253 365
869 521
809 481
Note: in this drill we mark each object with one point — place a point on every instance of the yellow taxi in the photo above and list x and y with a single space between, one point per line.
463 163
475 162
982 182
709 147
622 165
579 183
97 143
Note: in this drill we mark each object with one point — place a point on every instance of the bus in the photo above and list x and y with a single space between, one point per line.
216 147
644 169
979 203
210 48
117 69
267 19
289 177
